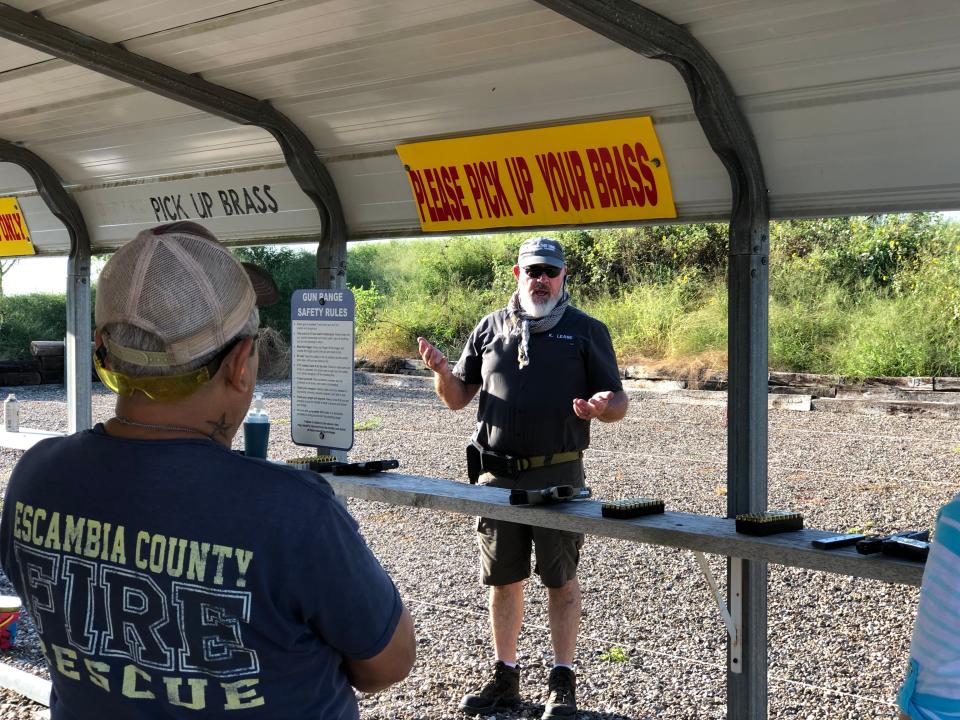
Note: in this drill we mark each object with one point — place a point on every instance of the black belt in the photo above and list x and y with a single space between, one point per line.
480 460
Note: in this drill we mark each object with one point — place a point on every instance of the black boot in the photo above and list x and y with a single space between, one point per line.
562 702
503 691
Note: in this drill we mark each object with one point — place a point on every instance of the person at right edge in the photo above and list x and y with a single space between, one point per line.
932 688
544 370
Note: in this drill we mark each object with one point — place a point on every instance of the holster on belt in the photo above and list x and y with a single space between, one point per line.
481 460
474 463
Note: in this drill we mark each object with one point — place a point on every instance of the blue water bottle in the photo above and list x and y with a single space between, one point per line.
256 429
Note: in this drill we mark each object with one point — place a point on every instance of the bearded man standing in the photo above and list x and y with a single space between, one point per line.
544 370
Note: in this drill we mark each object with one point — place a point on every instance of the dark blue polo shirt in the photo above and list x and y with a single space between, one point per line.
528 411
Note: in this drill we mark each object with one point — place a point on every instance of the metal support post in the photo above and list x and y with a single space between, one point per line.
633 26
747 455
78 358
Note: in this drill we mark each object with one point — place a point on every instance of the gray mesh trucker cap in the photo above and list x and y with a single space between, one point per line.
179 283
541 251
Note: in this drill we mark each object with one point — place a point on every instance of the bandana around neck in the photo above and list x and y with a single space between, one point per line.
522 324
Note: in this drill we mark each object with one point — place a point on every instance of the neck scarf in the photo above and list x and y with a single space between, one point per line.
522 324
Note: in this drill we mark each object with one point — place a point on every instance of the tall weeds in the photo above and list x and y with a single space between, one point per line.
851 296
863 296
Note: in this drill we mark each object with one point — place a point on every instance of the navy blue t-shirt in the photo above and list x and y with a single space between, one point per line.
177 579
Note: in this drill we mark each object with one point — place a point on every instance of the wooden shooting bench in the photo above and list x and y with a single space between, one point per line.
698 533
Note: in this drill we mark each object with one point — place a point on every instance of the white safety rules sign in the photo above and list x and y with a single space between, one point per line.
321 330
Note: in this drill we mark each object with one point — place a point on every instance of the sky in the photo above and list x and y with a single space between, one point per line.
49 274
36 275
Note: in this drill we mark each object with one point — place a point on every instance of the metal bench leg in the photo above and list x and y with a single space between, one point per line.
732 617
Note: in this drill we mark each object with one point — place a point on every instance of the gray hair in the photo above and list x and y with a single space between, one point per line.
137 338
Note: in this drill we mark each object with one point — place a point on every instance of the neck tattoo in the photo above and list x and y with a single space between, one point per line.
157 426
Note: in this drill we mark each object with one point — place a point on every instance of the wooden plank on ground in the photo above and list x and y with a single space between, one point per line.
943 411
46 347
719 398
657 386
16 379
50 362
19 366
42 348
808 379
673 529
889 394
645 372
812 390
32 686
905 383
948 384
713 379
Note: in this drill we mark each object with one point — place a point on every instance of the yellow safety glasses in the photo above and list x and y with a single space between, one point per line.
162 388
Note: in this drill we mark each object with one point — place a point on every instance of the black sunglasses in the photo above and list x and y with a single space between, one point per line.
535 271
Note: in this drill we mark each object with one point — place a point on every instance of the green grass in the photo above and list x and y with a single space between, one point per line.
615 655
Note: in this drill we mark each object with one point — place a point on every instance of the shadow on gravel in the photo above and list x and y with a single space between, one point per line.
533 711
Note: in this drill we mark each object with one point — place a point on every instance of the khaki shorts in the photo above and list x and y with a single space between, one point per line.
505 546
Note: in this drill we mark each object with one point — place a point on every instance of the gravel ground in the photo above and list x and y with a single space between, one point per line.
837 645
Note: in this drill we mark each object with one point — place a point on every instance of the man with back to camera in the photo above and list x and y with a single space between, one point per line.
544 370
169 577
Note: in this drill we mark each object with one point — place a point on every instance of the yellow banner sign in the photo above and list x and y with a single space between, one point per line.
14 236
583 174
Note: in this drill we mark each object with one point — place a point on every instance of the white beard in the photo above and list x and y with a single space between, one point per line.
537 310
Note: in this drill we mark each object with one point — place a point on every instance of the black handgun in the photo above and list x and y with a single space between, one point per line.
874 544
838 541
553 494
355 468
907 548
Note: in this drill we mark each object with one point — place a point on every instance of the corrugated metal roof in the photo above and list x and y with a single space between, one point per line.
853 104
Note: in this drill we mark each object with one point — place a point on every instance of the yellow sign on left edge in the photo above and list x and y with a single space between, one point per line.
14 236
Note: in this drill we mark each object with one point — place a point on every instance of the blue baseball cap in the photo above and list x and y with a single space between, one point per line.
541 251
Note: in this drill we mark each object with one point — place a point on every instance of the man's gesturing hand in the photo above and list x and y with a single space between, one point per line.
592 408
431 356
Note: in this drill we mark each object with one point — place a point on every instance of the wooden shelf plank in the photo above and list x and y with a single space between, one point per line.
705 533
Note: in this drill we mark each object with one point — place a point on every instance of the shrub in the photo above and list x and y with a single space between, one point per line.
368 302
30 317
274 355
291 269
880 247
445 320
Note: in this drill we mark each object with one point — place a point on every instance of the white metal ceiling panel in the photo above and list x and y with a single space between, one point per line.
122 20
14 56
853 103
